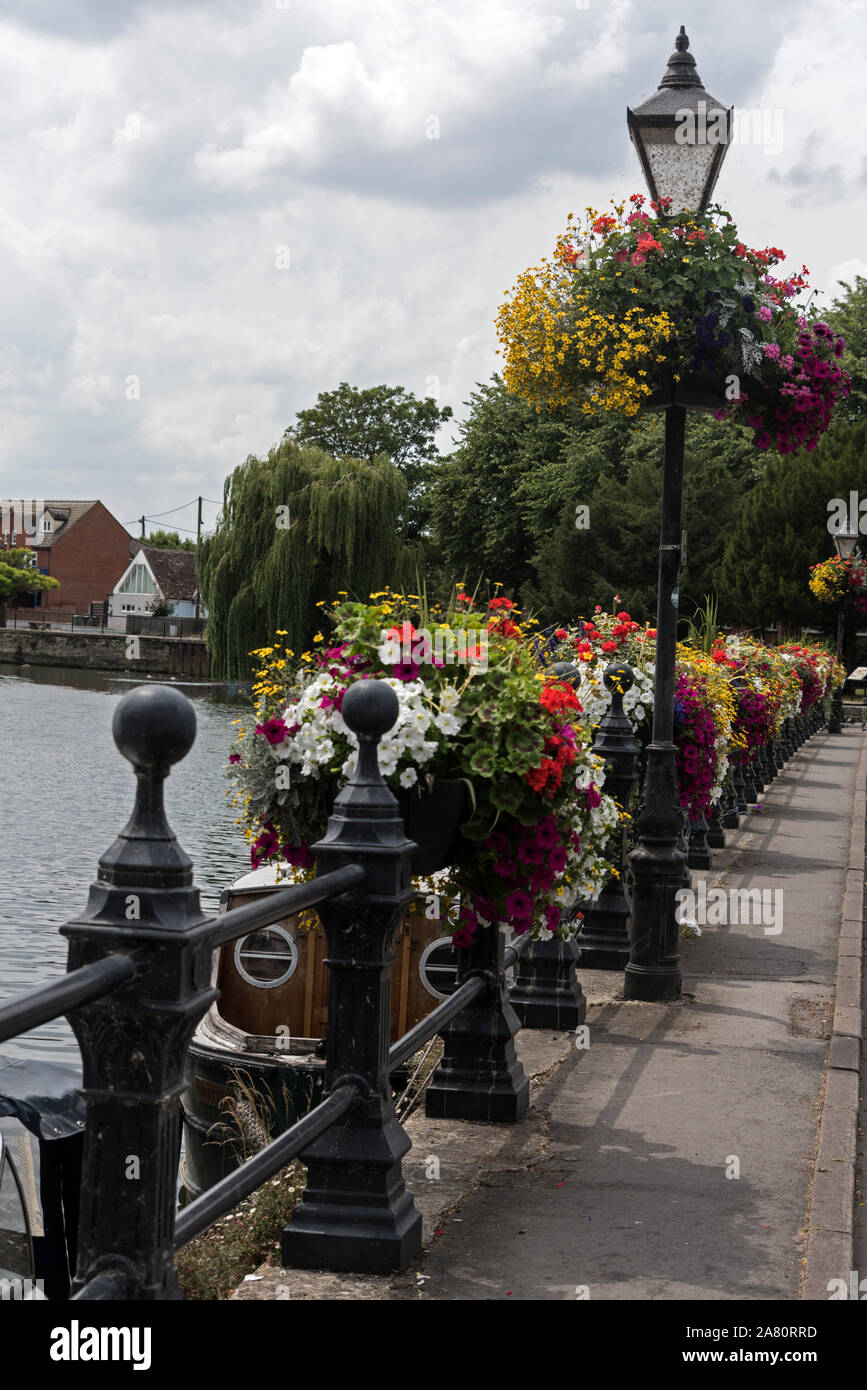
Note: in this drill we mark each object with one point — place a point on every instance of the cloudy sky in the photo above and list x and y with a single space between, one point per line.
210 212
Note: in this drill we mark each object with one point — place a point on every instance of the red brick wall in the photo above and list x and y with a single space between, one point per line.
88 561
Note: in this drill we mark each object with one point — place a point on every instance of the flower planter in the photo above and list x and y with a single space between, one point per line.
695 391
433 819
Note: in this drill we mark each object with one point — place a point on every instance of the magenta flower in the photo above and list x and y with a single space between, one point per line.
519 906
274 730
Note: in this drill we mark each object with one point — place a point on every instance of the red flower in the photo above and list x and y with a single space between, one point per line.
560 633
558 696
501 603
609 646
505 628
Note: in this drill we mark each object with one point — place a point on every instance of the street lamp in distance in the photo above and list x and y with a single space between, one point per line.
846 544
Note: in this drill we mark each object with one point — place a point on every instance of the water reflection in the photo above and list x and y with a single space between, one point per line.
66 793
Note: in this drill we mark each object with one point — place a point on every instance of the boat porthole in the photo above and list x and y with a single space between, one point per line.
266 958
438 967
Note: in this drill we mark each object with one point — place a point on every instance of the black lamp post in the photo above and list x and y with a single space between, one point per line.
846 543
681 135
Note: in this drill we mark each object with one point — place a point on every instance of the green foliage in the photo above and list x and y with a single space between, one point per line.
505 505
215 1263
782 529
848 316
170 540
365 424
162 608
703 625
480 522
18 574
296 528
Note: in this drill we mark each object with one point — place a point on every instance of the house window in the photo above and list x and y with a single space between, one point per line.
138 581
46 523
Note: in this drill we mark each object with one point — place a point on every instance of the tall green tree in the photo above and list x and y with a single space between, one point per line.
380 420
782 529
482 527
617 551
296 528
565 511
19 575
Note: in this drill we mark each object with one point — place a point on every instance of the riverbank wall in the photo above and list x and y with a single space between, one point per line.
107 651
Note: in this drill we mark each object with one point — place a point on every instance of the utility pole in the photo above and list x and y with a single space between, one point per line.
142 520
198 547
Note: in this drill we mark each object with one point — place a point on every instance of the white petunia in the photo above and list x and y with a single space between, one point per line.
448 723
408 777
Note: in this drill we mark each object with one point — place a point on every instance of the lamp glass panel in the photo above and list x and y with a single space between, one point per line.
680 171
845 541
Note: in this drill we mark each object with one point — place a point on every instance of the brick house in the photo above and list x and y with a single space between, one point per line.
79 543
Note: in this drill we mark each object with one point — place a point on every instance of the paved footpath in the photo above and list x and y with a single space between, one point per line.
680 1156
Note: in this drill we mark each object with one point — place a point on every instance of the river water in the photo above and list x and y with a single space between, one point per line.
65 794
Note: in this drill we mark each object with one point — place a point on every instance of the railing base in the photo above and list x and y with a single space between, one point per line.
356 1215
479 1076
546 993
463 1094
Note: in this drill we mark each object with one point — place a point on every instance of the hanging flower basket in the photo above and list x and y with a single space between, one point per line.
433 818
839 579
696 391
509 804
626 296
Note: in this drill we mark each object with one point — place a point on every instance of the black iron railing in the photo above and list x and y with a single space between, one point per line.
138 982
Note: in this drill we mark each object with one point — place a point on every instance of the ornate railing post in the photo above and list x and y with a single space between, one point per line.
603 940
479 1076
739 788
730 813
751 787
716 836
134 1041
546 992
698 851
356 1213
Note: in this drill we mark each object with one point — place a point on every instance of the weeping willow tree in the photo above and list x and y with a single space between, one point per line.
297 527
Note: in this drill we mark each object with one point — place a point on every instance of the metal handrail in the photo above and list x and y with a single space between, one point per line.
428 1027
226 1194
435 1021
240 920
52 1001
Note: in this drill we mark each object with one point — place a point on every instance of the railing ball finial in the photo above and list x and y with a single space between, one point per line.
154 726
370 708
618 677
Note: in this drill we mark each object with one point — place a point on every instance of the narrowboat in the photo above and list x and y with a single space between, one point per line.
256 1062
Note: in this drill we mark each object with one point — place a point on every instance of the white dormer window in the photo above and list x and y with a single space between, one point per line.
46 523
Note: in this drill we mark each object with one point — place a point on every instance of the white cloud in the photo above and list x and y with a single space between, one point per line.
154 157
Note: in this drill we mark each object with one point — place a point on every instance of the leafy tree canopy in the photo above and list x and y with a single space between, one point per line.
170 540
782 529
848 316
18 574
365 424
296 528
